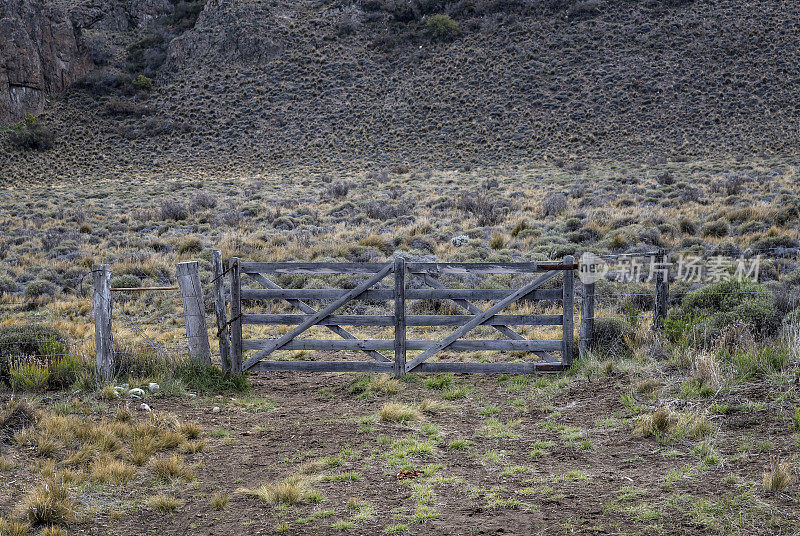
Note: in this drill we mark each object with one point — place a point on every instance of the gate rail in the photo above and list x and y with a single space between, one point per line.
402 271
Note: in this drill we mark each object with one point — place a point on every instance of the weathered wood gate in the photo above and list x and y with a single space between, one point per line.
400 363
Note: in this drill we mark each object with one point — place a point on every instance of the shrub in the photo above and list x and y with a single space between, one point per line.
716 229
32 134
28 340
172 210
716 307
38 288
28 375
202 200
756 363
554 204
190 244
7 285
487 210
441 26
609 335
339 189
126 281
124 107
143 83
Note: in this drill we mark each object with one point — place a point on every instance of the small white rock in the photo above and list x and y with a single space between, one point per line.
144 407
136 392
215 409
460 240
153 387
191 395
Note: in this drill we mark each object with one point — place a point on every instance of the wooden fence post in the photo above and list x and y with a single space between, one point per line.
236 319
219 306
399 317
103 342
568 330
194 312
662 289
587 320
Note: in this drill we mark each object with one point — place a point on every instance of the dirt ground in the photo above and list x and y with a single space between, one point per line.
562 460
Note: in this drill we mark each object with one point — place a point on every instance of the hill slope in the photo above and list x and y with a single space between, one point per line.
258 85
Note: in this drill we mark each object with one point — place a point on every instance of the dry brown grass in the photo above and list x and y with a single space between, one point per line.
295 489
172 467
48 503
163 504
397 412
778 476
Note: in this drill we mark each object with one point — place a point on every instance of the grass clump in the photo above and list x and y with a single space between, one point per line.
369 386
163 504
295 489
49 503
219 501
396 412
13 527
778 476
172 467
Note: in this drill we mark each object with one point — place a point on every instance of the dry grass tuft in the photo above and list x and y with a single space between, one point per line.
163 504
295 489
107 470
53 530
778 476
706 370
16 416
396 412
172 467
430 405
219 500
13 527
49 503
190 430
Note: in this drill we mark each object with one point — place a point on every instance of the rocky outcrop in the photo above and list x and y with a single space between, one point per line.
40 53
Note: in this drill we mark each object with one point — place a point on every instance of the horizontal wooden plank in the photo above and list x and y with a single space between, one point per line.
453 268
385 295
323 366
388 344
507 368
456 268
312 267
411 320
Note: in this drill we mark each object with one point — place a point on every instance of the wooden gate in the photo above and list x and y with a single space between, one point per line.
393 355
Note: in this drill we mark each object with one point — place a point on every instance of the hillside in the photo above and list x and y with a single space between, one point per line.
255 86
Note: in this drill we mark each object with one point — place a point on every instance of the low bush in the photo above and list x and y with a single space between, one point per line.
142 83
126 281
7 286
610 334
28 340
38 288
441 26
32 134
756 363
708 312
172 210
190 244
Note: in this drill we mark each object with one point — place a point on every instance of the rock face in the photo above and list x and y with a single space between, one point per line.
39 54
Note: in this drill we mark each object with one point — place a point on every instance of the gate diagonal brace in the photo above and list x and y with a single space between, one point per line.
474 309
323 313
303 306
480 319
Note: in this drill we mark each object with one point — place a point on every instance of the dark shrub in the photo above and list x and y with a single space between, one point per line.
714 308
122 107
172 210
126 281
609 335
488 210
716 229
7 285
191 244
32 134
339 188
40 287
142 83
203 200
554 204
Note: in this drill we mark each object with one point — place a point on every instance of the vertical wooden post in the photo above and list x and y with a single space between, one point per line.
194 313
662 289
103 342
587 320
236 319
399 317
219 307
568 330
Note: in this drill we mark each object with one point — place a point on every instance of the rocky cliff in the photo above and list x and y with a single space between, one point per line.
40 53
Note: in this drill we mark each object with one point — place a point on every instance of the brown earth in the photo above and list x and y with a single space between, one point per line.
617 486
